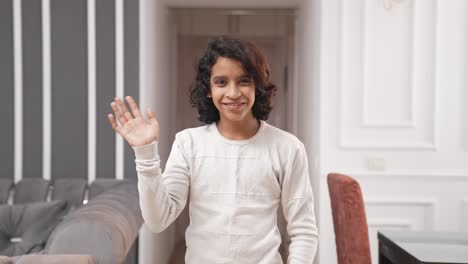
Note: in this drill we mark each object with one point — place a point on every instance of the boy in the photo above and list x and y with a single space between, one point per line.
238 168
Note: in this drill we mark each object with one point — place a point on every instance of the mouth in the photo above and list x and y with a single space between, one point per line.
234 106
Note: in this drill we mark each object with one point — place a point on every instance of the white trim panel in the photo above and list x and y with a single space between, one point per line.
119 64
384 223
18 95
465 84
91 16
357 129
464 215
445 175
46 92
429 204
388 222
369 53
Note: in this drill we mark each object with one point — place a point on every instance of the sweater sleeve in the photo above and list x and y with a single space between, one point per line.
298 208
162 195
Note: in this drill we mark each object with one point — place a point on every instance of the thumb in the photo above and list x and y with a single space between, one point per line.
151 116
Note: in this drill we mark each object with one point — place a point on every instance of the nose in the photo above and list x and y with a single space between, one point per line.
233 91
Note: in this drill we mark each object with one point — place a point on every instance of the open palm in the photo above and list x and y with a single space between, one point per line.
135 129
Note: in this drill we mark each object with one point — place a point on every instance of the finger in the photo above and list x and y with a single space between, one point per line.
118 114
124 108
133 106
151 117
113 123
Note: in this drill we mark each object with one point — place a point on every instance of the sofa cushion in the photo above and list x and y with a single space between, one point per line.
25 228
70 189
5 186
30 190
99 186
105 228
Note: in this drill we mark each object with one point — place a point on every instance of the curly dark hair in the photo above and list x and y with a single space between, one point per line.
255 65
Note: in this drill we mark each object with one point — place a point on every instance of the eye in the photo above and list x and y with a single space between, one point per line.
245 81
220 82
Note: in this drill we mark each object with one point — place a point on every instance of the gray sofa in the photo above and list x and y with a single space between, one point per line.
63 230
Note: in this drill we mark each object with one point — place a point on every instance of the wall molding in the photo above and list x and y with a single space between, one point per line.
402 174
465 83
401 200
464 215
423 142
365 121
465 103
385 222
429 203
376 224
345 144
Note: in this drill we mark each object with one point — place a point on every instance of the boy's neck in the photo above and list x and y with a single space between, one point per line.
238 130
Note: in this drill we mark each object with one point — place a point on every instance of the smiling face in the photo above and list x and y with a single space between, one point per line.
232 90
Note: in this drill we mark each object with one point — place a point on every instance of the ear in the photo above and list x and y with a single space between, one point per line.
208 95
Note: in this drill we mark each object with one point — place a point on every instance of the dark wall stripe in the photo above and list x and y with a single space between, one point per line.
7 90
69 88
105 87
32 88
131 58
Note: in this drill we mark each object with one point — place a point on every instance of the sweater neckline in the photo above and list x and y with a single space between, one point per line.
239 142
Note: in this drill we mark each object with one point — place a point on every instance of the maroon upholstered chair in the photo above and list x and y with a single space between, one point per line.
349 220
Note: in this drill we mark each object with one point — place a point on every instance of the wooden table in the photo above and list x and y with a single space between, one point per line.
409 247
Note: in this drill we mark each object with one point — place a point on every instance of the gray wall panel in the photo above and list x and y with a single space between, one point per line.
69 88
7 90
105 87
32 88
132 83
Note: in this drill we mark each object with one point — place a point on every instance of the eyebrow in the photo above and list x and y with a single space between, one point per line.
223 76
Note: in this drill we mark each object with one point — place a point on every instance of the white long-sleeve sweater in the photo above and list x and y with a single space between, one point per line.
234 188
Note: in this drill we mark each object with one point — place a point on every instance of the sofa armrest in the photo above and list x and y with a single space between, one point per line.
105 228
52 259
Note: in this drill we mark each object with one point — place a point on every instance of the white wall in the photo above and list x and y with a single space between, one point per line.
382 97
156 248
307 70
156 43
154 92
393 110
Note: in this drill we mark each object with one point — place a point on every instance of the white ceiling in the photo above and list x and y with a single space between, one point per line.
234 4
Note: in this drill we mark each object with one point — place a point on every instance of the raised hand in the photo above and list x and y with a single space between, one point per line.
133 128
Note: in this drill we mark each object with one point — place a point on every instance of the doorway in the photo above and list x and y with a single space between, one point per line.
272 31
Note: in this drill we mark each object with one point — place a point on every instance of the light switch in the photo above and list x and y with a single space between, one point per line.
376 164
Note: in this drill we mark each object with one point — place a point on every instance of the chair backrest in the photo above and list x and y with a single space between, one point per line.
349 220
